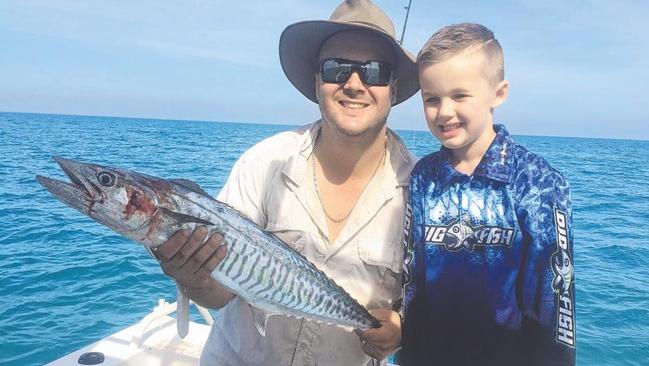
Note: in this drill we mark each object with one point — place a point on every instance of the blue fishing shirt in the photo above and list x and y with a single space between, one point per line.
488 270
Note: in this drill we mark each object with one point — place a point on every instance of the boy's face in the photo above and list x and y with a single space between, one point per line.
459 101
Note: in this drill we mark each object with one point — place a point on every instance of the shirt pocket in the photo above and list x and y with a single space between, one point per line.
295 238
385 255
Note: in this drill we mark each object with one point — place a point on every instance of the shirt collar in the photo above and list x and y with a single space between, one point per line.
295 167
496 164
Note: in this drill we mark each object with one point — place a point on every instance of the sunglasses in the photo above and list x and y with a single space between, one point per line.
337 71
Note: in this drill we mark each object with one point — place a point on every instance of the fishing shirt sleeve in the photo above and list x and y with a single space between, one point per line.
413 310
546 281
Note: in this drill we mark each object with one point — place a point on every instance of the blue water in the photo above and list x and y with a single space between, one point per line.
66 281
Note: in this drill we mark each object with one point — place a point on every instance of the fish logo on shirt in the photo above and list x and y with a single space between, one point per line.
563 270
461 234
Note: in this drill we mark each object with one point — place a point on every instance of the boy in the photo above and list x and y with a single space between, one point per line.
488 267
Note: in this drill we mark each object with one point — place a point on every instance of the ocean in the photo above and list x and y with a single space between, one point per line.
66 281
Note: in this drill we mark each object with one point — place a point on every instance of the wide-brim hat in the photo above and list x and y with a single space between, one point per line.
299 46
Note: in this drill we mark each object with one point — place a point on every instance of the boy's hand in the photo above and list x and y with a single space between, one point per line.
185 257
380 342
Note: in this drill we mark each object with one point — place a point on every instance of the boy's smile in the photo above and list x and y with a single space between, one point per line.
459 102
450 130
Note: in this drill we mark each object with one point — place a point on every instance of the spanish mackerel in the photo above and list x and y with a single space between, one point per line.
259 267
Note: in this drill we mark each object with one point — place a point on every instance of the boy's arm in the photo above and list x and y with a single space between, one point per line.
412 311
546 282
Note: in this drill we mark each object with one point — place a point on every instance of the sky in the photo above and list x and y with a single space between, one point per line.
576 68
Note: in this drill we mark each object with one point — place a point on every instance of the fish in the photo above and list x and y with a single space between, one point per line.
259 267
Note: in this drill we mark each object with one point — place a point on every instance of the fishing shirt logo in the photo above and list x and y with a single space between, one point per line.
563 282
406 272
461 234
407 248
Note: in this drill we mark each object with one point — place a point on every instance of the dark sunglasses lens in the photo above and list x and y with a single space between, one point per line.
334 72
377 73
371 72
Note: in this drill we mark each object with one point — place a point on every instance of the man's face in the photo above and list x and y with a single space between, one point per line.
458 100
353 107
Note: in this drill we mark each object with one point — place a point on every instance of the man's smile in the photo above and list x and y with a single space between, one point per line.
353 105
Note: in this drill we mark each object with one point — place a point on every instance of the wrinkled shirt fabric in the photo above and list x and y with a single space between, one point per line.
272 183
488 262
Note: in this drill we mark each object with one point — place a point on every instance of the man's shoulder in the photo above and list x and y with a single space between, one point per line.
280 145
401 157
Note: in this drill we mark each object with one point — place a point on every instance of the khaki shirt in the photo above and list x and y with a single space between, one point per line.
272 183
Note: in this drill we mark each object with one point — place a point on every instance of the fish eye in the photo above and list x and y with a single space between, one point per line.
106 179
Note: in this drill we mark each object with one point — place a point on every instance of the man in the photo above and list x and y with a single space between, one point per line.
334 190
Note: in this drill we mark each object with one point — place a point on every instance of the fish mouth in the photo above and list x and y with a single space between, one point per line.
76 194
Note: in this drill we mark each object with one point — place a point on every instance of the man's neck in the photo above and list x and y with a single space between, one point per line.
343 167
343 156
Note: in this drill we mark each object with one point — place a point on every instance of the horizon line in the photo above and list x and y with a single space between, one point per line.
292 124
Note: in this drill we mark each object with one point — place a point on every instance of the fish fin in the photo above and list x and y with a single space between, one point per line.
150 251
182 313
182 218
260 320
191 185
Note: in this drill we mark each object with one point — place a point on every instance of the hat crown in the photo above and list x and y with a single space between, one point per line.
365 13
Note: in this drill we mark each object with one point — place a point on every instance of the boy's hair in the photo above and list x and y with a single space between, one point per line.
455 38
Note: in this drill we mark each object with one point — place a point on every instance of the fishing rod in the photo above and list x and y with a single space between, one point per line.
403 32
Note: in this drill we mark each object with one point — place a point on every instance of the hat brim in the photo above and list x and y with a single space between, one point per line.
299 46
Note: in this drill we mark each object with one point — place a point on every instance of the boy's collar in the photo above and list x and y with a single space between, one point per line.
497 160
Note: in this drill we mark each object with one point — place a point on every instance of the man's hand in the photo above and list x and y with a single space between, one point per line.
185 257
380 342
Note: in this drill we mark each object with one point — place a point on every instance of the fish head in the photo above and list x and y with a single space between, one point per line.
461 231
455 231
120 199
564 269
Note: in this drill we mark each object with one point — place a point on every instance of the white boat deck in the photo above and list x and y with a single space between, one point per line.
153 341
